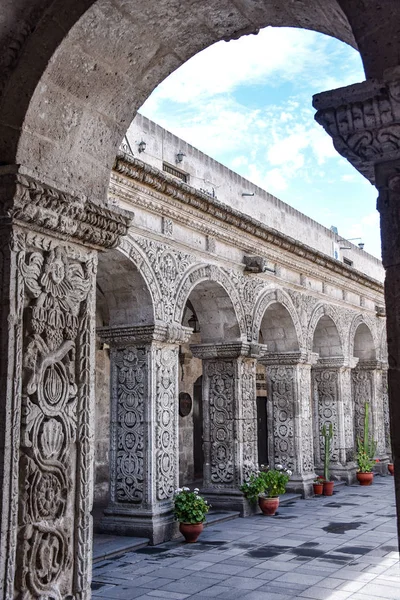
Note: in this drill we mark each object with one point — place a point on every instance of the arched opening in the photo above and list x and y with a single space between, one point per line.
123 301
364 346
327 377
275 400
363 388
210 313
326 340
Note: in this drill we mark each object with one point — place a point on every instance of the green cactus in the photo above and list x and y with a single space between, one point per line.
327 434
366 447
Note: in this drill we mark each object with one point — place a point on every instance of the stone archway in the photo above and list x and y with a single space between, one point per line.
74 74
331 390
288 393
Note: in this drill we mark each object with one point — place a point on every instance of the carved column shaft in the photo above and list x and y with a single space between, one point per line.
332 406
290 432
47 279
144 432
230 425
367 387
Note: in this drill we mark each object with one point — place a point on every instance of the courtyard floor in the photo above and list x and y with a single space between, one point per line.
332 548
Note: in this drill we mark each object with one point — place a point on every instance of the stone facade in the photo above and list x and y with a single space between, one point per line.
318 346
72 77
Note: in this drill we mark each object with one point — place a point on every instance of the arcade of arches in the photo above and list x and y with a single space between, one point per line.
73 74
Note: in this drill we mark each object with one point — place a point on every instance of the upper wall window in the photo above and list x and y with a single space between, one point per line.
175 172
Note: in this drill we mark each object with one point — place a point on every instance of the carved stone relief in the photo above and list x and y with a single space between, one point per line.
166 445
325 386
307 438
248 422
55 471
362 393
281 399
221 374
129 382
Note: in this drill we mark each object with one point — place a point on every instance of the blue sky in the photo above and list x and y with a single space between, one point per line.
247 103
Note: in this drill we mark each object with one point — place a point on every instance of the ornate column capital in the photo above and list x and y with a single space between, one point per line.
364 122
285 358
331 362
145 334
368 365
228 350
27 202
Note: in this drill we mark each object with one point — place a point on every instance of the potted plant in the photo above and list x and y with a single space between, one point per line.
365 453
190 510
327 434
265 486
318 486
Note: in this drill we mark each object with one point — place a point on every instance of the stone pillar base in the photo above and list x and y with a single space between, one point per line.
230 500
345 473
301 485
157 528
381 467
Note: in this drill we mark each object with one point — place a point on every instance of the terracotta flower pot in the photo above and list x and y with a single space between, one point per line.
365 478
318 489
328 488
268 506
391 468
191 531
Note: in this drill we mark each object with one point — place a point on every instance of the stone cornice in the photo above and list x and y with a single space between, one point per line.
27 202
331 362
228 350
369 365
364 122
145 334
285 358
135 169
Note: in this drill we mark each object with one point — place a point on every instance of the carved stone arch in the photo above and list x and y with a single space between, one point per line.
324 310
358 320
266 299
129 248
200 273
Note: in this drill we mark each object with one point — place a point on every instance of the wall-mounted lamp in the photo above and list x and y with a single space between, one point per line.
141 146
193 322
179 157
247 194
361 245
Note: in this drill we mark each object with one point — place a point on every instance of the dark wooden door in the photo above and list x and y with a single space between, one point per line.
262 430
198 454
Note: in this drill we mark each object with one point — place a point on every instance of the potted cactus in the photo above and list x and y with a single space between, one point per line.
327 434
365 453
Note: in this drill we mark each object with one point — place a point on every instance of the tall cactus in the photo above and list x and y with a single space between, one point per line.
368 446
327 434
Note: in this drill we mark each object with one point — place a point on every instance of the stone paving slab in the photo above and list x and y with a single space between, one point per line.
338 548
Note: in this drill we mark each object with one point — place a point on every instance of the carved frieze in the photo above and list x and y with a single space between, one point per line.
28 202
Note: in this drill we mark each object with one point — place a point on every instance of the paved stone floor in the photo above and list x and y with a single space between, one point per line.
323 548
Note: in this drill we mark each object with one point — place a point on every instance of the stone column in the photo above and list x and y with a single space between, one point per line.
230 420
144 453
386 413
367 387
331 381
48 258
290 433
364 122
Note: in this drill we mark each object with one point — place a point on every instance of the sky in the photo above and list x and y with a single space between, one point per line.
248 104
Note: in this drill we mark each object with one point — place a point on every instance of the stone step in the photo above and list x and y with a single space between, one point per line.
219 516
287 498
107 546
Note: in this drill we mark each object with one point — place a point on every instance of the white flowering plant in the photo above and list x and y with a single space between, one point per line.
266 482
190 507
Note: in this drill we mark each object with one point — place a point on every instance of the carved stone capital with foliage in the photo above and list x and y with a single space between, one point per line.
363 121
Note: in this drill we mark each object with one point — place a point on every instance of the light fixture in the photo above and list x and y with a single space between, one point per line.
179 157
361 245
193 322
141 146
247 194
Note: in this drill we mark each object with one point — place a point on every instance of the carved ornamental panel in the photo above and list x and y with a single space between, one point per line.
326 408
56 437
282 398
